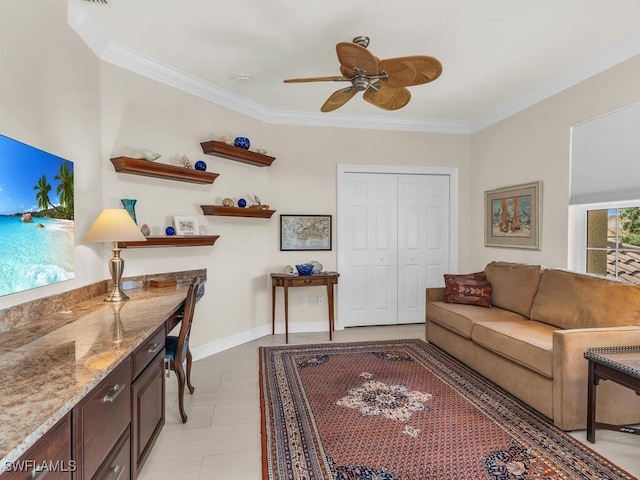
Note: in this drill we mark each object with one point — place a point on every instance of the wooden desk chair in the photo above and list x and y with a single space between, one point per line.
177 351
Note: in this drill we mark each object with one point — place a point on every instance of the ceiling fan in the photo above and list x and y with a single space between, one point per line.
383 82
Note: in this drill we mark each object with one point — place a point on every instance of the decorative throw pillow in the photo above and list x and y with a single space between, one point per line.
468 289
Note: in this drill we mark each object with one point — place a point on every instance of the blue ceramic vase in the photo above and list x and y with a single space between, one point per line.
200 165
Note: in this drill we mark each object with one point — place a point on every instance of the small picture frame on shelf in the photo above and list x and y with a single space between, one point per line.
186 225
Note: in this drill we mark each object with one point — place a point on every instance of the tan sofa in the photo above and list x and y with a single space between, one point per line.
532 339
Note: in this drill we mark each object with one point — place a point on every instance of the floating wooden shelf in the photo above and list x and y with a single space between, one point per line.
173 241
223 211
230 152
137 166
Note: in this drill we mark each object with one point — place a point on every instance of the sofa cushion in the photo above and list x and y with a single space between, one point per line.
468 289
523 341
573 300
514 285
461 318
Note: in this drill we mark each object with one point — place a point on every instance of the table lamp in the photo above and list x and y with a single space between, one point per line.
114 225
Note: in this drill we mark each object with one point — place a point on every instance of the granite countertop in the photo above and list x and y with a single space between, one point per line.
49 365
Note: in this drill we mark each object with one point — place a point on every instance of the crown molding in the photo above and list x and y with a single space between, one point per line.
124 57
109 51
628 48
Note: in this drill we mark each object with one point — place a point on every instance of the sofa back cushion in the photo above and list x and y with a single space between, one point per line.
573 300
514 285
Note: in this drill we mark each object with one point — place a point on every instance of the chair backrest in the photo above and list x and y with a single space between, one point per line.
187 320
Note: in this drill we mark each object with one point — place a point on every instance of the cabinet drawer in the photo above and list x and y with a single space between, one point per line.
117 466
102 417
52 453
147 351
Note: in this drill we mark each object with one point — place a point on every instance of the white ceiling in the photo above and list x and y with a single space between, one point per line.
498 56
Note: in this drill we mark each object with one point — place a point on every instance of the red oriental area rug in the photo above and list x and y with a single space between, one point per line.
403 410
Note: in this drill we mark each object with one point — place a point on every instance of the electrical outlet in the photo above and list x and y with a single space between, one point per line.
304 301
321 301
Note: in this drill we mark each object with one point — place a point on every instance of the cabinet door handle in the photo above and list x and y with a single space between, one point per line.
118 470
117 390
154 348
39 472
307 282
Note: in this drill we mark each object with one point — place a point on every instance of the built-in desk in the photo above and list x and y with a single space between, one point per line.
51 365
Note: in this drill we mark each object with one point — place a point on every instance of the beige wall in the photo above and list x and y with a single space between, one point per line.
141 113
49 98
535 145
58 97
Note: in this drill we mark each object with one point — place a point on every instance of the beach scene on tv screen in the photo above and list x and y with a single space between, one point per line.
36 217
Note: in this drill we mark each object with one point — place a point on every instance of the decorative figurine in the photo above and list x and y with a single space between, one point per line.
145 154
228 202
242 202
146 231
200 165
184 161
170 231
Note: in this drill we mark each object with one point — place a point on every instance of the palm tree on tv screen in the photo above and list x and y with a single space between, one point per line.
65 188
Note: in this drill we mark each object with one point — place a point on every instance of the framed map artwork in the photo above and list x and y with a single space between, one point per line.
305 232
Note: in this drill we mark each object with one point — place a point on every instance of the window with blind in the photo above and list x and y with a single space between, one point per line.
605 194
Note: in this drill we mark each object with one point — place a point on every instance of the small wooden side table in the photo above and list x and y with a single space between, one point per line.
286 280
620 365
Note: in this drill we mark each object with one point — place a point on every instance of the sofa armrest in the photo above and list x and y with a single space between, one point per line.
433 294
570 371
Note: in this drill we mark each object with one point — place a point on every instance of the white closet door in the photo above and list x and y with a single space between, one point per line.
370 241
423 240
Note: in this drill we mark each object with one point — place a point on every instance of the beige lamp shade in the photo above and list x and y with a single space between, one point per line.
114 225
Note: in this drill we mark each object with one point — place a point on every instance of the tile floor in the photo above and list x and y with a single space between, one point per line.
221 439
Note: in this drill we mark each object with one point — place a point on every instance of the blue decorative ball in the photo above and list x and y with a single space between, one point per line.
200 165
242 202
170 231
242 142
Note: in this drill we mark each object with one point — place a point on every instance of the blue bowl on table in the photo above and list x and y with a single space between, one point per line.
304 269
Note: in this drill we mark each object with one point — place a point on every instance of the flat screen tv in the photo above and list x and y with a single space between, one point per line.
36 217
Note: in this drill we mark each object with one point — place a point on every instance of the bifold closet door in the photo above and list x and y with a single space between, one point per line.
423 240
396 243
370 279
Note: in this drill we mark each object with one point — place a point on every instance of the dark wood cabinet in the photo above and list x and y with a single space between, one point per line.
147 400
101 419
117 466
50 456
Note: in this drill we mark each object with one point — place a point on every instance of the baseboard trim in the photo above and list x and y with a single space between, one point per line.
217 346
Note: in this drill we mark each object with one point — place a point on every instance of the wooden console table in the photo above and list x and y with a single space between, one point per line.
286 280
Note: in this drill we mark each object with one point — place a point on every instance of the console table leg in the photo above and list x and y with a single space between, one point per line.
273 310
330 305
286 314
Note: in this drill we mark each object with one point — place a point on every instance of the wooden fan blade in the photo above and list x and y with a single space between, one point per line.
315 79
338 98
386 97
352 56
413 70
